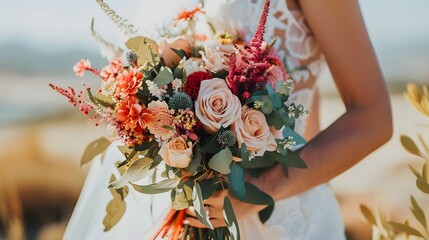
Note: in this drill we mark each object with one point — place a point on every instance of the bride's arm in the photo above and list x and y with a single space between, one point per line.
367 124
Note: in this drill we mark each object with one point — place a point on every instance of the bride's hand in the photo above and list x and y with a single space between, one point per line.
214 208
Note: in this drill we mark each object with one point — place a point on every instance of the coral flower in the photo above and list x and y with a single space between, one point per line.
187 15
81 66
128 82
162 125
132 115
112 70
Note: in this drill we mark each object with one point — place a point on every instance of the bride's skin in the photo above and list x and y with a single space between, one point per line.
367 124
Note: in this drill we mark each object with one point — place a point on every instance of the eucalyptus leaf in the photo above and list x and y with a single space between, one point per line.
145 146
159 187
255 196
400 227
93 149
425 171
410 146
267 105
422 185
136 171
200 210
265 214
114 211
416 173
288 132
220 161
236 181
418 212
208 187
258 162
135 43
212 145
195 161
164 77
291 160
180 52
368 215
230 219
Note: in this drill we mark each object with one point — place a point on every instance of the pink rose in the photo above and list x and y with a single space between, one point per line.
252 128
165 49
216 56
177 152
216 106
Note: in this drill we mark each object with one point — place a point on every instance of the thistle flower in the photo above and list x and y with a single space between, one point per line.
180 101
130 58
227 137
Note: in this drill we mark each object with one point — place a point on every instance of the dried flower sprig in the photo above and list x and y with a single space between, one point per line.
127 29
107 49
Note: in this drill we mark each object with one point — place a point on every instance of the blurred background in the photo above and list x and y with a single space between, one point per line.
42 137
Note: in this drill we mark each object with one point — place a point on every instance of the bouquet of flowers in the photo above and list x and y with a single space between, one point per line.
206 109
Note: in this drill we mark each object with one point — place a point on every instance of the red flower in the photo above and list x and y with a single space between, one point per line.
193 83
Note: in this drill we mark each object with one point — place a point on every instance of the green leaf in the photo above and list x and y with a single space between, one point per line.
159 187
93 149
410 146
220 161
200 210
267 105
258 162
180 52
230 219
114 211
146 50
195 161
368 215
164 77
291 160
288 132
236 181
255 196
422 185
136 171
416 173
212 145
275 119
182 197
425 171
418 212
400 227
208 187
244 153
265 214
145 146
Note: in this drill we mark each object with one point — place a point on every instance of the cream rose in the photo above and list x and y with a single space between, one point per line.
216 105
216 56
177 152
252 128
165 49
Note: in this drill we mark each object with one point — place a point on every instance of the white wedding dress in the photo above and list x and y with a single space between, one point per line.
310 215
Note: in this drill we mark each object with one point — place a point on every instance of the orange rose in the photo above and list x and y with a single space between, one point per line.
177 152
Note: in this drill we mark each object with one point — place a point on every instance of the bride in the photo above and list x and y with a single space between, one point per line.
310 33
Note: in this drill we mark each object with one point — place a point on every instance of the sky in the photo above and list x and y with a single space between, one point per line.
53 25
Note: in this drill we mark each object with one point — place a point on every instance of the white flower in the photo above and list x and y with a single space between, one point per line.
108 87
176 84
216 55
192 65
154 89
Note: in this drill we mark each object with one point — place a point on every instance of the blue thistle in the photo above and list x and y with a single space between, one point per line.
180 101
227 137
